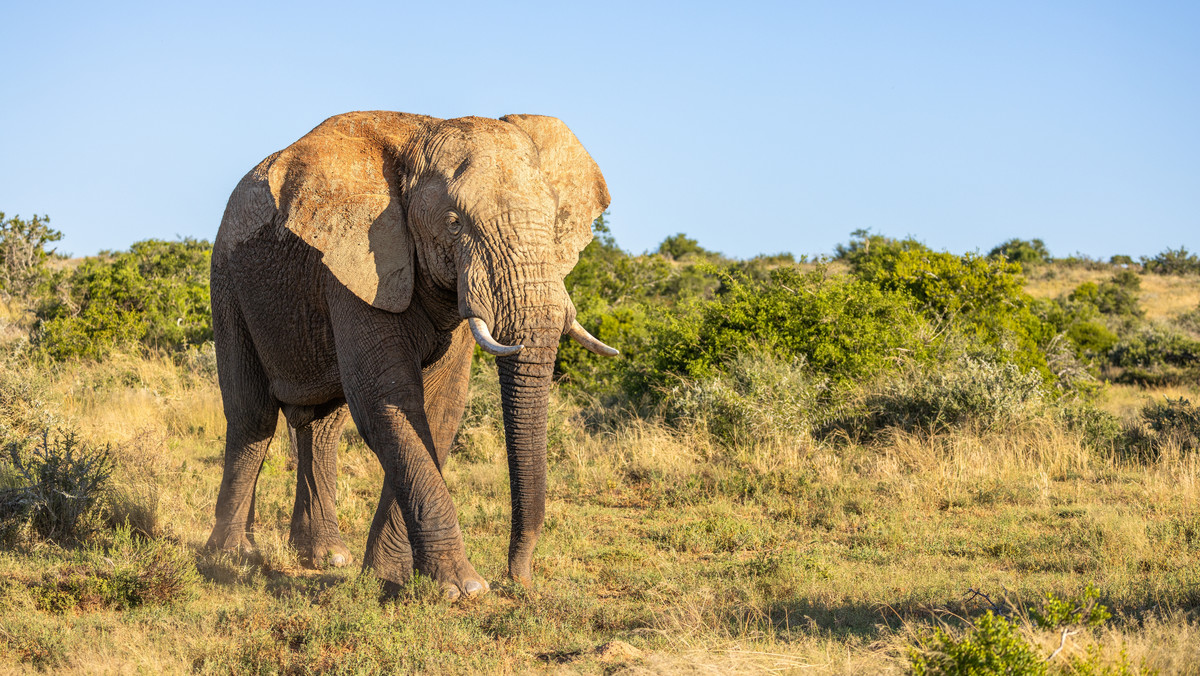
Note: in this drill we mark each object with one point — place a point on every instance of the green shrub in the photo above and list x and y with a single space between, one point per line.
1092 337
1117 296
1157 355
993 646
1057 613
1120 259
982 297
1173 262
757 396
135 574
1097 428
1177 420
679 245
1021 251
975 392
64 485
23 254
155 295
616 295
842 328
997 645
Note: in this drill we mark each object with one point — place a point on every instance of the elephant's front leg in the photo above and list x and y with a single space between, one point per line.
314 531
389 552
401 438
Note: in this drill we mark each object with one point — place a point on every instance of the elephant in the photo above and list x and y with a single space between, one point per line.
354 272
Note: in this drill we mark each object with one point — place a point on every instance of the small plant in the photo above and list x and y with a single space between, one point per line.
150 572
998 645
994 645
1057 613
64 484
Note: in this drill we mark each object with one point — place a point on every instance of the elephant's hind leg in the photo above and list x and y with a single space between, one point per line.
251 413
314 531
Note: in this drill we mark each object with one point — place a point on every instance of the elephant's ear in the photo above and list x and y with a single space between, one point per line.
338 190
573 175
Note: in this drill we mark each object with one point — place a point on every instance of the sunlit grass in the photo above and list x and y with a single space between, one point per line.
792 554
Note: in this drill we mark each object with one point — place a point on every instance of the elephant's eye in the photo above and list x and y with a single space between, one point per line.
453 223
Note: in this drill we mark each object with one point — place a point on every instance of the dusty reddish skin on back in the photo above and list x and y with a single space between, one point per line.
342 273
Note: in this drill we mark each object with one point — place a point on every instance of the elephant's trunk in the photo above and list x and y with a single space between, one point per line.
524 391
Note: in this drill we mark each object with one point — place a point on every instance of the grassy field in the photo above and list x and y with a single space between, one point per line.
663 551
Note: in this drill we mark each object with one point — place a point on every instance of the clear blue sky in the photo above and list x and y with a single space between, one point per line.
754 127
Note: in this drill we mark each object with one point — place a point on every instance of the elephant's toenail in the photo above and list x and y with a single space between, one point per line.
472 586
337 560
452 593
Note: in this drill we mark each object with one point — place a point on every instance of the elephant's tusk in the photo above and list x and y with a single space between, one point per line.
483 336
589 341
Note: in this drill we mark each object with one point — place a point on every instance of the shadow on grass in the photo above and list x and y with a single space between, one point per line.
871 621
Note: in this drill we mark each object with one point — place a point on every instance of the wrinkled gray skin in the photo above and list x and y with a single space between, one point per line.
342 274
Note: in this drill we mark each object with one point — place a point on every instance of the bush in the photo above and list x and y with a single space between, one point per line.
1176 421
1097 428
998 645
679 245
1057 613
1157 355
975 392
981 297
156 296
1117 296
842 328
1021 251
993 646
615 295
1173 262
23 254
64 484
758 396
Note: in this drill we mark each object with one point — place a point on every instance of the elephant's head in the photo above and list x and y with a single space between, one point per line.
489 213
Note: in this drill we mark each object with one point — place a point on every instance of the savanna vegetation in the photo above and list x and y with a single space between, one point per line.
891 459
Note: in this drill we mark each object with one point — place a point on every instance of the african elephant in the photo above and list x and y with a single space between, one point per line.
355 271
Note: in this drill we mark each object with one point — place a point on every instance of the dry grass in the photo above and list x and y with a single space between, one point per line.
794 555
1161 296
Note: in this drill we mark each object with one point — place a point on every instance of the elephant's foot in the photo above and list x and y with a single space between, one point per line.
454 572
230 539
323 551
